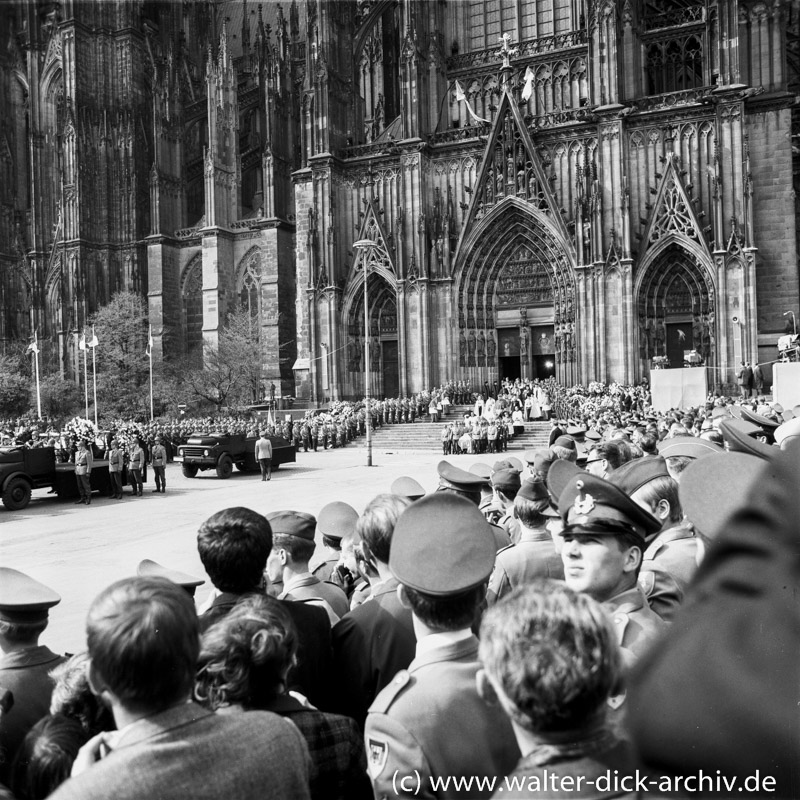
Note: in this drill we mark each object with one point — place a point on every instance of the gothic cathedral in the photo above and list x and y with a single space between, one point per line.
577 188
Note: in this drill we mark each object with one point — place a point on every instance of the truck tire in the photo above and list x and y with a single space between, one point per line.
189 470
240 466
224 467
17 494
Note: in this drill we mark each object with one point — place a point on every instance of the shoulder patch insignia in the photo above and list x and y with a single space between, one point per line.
377 754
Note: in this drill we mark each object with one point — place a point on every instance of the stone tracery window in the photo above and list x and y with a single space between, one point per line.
487 20
675 64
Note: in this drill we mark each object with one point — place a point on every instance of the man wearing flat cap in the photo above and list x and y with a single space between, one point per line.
604 537
25 665
670 558
533 555
430 722
292 547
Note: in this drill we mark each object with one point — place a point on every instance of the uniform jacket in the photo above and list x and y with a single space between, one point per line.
371 645
637 626
324 570
311 675
308 588
84 461
431 722
25 674
338 768
669 563
116 460
189 752
158 456
533 556
137 457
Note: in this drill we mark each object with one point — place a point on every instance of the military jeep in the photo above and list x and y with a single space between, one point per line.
221 452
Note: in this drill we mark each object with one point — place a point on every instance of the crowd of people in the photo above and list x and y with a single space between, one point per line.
623 599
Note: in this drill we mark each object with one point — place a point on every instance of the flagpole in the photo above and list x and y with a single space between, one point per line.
36 363
94 377
150 354
85 375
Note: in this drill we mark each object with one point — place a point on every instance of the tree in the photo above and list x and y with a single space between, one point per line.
231 371
121 358
15 388
61 398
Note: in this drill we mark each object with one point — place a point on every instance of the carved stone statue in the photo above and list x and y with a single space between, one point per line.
491 345
462 349
481 346
523 342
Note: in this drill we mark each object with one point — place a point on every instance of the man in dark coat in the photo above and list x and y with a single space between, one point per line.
376 639
234 545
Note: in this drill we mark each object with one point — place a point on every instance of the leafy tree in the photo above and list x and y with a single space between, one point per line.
121 359
231 371
15 387
61 398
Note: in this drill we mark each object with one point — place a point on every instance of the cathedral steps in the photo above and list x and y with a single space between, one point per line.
426 436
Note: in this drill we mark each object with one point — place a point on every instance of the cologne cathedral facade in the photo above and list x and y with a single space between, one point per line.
524 187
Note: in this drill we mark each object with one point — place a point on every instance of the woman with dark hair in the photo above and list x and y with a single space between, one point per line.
44 759
243 665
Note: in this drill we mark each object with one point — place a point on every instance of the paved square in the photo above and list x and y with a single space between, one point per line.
78 550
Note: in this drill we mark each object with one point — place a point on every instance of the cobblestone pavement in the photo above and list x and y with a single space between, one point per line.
78 550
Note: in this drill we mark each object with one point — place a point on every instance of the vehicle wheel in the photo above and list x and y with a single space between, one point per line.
241 467
225 467
275 466
189 470
17 494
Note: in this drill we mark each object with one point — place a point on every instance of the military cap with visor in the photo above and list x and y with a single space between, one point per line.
442 545
589 504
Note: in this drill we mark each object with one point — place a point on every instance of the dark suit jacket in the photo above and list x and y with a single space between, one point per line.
189 752
311 675
371 645
26 675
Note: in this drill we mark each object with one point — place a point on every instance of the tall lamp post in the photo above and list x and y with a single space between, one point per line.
365 246
794 320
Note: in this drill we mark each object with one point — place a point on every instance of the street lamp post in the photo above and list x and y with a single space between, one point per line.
794 320
364 246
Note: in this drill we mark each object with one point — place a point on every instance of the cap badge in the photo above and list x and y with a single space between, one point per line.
584 503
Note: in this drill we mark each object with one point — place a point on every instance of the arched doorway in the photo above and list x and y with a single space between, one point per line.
384 352
676 309
517 315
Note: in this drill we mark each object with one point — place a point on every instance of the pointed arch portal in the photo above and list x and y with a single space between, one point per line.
515 298
676 308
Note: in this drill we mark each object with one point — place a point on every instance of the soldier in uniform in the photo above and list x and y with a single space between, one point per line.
670 559
430 721
533 556
24 664
408 487
292 547
468 485
604 537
